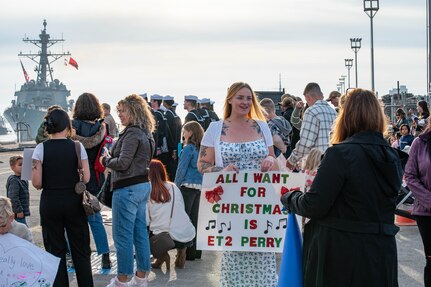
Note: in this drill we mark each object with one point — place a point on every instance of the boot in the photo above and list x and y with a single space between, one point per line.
162 259
106 262
181 258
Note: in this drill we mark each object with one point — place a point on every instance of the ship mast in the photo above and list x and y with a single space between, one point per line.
44 65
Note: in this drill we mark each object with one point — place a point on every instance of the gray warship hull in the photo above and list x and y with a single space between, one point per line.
34 98
20 118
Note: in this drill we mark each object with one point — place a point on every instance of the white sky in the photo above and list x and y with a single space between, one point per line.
200 47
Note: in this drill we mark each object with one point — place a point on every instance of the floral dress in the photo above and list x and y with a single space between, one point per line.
246 268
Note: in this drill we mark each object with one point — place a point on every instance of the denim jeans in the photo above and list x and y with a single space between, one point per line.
21 220
129 227
99 233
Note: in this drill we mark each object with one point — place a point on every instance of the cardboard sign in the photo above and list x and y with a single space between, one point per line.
242 211
26 163
24 264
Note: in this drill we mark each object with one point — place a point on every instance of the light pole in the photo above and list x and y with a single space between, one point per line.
339 89
348 63
343 84
370 8
355 44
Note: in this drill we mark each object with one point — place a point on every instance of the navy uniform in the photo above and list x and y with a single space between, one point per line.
175 126
194 114
206 112
163 135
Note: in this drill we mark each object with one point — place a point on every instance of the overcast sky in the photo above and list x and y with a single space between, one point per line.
200 47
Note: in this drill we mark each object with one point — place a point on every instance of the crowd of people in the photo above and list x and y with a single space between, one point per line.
343 143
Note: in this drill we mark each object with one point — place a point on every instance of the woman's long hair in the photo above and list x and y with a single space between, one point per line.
425 111
87 107
255 112
158 177
139 112
197 133
360 112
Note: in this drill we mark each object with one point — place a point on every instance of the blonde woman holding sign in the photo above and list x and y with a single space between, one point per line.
241 141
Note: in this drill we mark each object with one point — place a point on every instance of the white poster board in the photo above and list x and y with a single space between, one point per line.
24 264
26 164
248 216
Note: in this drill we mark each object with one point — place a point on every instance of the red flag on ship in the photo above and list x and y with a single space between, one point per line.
73 63
27 78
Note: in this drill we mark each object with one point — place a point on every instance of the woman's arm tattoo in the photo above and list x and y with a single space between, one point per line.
205 165
208 167
34 163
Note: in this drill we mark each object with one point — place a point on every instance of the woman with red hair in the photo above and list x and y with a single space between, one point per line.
166 213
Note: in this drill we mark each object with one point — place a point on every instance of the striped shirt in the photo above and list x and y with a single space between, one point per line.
315 130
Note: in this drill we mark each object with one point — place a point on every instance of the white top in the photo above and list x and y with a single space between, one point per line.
213 134
21 230
38 152
181 229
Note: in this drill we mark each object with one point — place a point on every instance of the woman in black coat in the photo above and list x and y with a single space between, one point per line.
350 239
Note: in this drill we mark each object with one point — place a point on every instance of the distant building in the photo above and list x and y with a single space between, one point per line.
402 99
394 91
275 96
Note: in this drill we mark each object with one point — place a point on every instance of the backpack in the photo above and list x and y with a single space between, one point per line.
98 167
285 129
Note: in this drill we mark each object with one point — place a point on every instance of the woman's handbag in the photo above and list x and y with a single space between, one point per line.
105 193
90 203
161 243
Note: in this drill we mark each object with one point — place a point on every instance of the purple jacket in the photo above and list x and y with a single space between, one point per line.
418 174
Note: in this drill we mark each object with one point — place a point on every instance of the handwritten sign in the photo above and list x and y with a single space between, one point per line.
242 211
25 264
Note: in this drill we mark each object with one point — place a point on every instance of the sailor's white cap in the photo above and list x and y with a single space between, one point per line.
156 97
190 98
144 95
205 101
212 102
168 98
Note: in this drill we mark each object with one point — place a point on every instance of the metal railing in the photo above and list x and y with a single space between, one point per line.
23 132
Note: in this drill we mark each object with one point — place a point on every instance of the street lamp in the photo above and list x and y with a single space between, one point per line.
348 63
339 87
343 84
355 44
370 8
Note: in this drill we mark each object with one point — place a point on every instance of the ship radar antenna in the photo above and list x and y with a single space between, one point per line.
279 82
44 24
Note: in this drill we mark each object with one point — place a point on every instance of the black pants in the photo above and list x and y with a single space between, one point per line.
170 164
424 225
191 202
59 211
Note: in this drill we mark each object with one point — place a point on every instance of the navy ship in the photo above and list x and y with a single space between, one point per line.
35 96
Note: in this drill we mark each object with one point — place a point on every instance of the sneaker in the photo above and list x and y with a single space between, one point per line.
115 283
138 282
